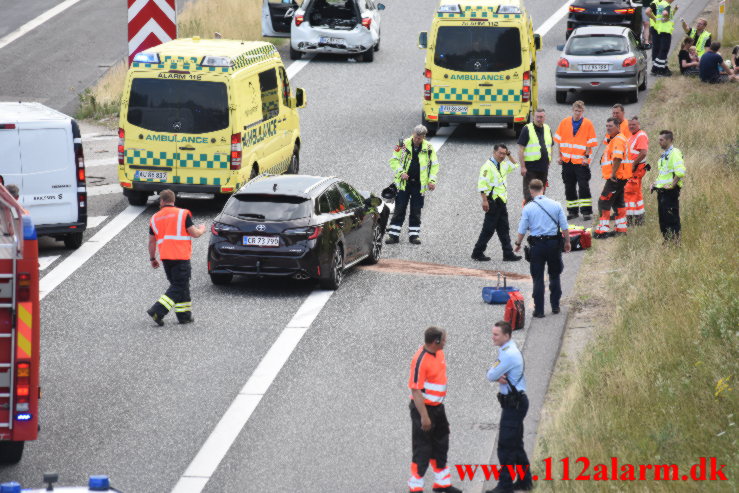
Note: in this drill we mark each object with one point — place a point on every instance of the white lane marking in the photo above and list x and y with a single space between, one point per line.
297 66
214 449
95 221
92 163
44 262
70 264
441 137
554 19
34 23
104 189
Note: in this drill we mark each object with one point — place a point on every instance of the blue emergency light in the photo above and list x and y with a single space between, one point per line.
23 417
98 483
144 57
11 487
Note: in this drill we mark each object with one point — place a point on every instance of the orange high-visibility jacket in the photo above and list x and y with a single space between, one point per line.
624 129
572 147
637 142
428 374
617 147
169 228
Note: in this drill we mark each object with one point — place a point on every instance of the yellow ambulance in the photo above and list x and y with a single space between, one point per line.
480 64
206 116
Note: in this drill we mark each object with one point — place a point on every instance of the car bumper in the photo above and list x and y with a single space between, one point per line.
589 82
233 259
175 187
61 229
308 40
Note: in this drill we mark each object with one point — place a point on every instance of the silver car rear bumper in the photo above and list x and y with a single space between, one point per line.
593 82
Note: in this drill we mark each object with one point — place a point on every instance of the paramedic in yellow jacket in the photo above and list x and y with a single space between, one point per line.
415 166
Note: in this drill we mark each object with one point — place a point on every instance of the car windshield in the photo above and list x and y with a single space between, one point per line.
597 45
478 49
181 106
268 207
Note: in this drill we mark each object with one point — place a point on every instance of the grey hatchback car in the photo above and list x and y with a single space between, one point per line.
601 58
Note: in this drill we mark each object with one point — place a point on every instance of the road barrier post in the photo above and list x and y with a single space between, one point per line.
150 23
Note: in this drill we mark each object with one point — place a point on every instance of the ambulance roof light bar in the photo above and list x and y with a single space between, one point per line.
509 9
216 61
145 57
450 9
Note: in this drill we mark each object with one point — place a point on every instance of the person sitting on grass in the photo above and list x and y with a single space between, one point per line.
709 66
734 61
688 64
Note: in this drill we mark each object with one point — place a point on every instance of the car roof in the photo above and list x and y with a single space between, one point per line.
590 30
296 185
29 112
484 3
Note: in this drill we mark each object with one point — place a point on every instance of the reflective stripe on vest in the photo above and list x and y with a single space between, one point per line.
668 167
700 43
631 152
532 151
168 229
664 26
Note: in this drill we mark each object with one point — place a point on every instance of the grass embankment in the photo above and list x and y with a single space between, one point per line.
234 19
658 383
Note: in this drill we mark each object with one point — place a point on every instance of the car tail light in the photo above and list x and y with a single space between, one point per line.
236 151
629 62
576 10
310 232
427 85
298 20
22 388
121 140
563 62
213 230
366 22
316 232
217 228
7 126
623 11
526 95
24 286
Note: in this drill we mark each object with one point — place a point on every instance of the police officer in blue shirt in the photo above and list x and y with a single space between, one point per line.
508 372
546 221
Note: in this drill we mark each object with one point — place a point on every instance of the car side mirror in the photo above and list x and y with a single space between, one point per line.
380 6
560 47
537 42
300 100
423 39
373 201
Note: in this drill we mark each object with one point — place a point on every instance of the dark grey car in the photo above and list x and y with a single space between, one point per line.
602 58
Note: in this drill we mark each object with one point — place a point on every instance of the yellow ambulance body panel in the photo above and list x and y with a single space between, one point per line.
480 64
206 116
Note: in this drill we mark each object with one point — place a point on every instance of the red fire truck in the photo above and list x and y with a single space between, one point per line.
19 329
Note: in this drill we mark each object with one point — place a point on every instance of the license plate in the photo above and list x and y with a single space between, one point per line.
452 109
150 175
262 241
331 41
595 68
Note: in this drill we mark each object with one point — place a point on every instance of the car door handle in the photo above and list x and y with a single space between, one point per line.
187 148
340 223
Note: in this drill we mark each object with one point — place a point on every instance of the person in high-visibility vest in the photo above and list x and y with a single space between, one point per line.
171 231
430 428
615 172
535 151
576 139
671 171
662 15
636 153
701 37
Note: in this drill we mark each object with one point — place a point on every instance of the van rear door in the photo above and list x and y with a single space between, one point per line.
10 164
49 172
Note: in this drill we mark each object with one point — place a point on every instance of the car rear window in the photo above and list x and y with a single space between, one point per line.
181 106
597 45
478 49
262 207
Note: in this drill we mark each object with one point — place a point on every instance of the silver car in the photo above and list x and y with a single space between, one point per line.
602 58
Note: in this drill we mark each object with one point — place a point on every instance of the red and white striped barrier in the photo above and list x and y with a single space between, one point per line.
150 23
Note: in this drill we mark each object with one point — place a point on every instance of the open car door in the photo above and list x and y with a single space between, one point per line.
277 17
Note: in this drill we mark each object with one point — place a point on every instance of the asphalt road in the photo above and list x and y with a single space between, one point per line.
125 398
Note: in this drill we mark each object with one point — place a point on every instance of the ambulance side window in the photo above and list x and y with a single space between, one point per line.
270 97
285 88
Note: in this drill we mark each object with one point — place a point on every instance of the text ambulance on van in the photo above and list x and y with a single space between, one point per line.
206 116
480 64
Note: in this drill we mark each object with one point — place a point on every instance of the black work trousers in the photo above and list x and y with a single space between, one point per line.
432 444
668 208
660 49
577 176
533 175
177 297
496 219
546 253
510 443
411 194
612 196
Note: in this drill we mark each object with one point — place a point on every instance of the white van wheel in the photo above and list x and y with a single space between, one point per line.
73 240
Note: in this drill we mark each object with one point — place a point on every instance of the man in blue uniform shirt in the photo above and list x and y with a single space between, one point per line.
546 221
508 372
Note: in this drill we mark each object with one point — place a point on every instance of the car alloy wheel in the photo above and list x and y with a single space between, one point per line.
337 271
376 251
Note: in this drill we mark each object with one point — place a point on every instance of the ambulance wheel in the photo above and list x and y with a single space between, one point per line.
295 54
136 198
73 240
336 271
11 452
254 171
431 127
369 55
221 279
294 166
561 97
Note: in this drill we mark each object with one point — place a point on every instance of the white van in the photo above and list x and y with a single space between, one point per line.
41 153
